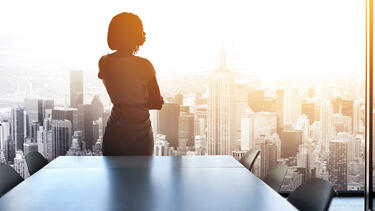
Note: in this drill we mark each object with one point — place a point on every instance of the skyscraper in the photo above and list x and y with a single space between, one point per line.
357 122
326 113
47 105
70 114
97 107
256 99
85 124
168 120
76 88
4 133
268 155
337 164
179 98
18 127
186 130
292 105
255 124
308 108
290 141
161 146
34 108
280 109
221 111
20 164
61 137
30 146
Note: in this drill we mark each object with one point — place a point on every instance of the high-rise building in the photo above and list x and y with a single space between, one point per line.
95 131
10 150
4 133
269 104
290 141
256 99
179 98
186 130
61 137
342 123
30 146
292 105
255 124
268 155
168 120
85 122
34 109
20 164
97 107
70 114
200 144
280 109
344 106
44 137
337 164
241 105
161 146
76 88
308 108
326 126
357 122
221 111
18 127
33 128
78 145
154 120
303 124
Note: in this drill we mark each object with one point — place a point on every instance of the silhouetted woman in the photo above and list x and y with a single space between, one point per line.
131 84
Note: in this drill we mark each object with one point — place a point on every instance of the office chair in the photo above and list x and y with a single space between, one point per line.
275 177
35 161
9 178
249 158
313 195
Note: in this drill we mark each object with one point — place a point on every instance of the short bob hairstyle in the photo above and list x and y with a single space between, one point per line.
125 33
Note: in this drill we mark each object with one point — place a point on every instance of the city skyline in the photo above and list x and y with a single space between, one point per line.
302 127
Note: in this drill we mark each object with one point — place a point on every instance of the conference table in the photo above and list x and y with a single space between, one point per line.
159 183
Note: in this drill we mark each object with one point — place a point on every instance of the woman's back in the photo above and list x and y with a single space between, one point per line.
126 78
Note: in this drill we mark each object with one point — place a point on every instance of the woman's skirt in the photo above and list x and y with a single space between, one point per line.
128 132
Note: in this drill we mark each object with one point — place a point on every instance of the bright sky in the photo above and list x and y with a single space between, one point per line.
292 36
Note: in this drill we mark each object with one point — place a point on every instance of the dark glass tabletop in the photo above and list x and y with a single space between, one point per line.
143 183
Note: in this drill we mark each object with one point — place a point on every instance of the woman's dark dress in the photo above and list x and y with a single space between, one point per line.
131 84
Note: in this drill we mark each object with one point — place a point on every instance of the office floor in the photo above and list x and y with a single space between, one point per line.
347 204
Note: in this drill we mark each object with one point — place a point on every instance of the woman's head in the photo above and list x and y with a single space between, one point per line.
125 33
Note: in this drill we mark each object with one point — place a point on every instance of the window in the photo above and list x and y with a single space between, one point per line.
286 77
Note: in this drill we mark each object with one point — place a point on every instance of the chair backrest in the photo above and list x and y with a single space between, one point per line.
314 195
35 161
275 177
9 178
249 158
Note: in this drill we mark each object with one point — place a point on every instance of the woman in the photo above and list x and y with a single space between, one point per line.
131 84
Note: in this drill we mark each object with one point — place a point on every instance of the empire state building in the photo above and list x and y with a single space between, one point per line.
221 111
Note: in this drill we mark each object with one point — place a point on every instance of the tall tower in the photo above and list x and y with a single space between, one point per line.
221 111
97 107
326 112
18 128
34 108
292 105
76 88
61 137
337 164
168 120
85 124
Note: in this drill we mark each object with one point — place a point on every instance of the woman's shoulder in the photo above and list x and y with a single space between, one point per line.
143 60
